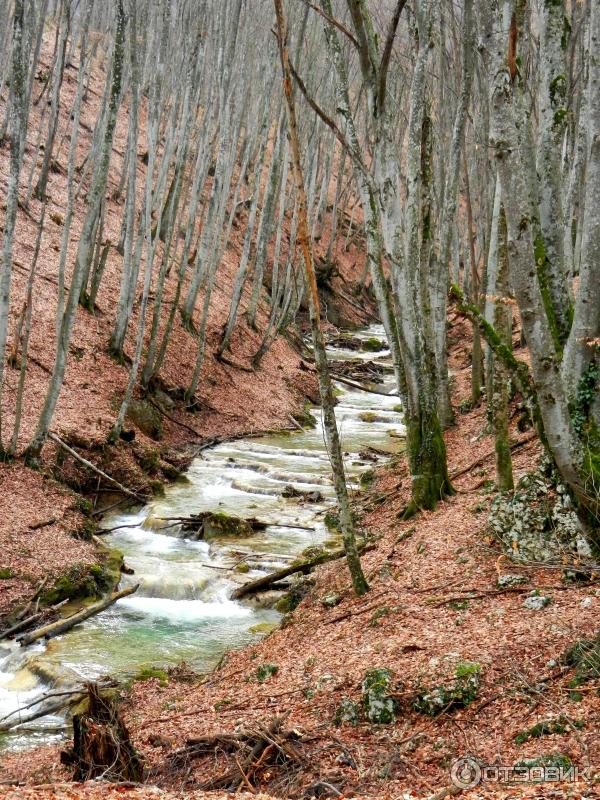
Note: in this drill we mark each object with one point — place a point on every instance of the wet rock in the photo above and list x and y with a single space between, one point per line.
209 525
290 492
373 345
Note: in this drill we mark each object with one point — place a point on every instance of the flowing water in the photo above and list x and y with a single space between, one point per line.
181 611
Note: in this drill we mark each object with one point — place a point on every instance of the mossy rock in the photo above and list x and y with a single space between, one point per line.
220 525
373 345
547 727
146 417
459 693
305 418
87 531
292 599
86 581
379 706
243 568
536 522
157 488
149 460
331 600
264 628
348 712
367 479
332 521
309 553
171 473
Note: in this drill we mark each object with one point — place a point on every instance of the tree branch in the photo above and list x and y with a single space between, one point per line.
319 111
387 53
333 21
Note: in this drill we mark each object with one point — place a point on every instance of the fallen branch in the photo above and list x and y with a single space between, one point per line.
264 583
45 524
19 626
95 469
482 459
56 628
68 699
359 386
172 419
34 599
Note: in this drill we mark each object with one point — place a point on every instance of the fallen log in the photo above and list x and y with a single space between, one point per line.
359 386
65 700
56 628
94 468
267 581
21 625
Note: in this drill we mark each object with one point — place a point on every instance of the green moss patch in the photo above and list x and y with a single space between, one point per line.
458 693
86 581
149 674
547 727
266 671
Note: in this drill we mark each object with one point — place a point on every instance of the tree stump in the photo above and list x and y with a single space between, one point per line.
101 743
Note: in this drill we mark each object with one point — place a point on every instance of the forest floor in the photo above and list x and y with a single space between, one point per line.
435 606
38 516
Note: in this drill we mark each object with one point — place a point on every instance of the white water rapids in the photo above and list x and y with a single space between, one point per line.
181 612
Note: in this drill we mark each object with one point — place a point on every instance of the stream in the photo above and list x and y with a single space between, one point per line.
181 611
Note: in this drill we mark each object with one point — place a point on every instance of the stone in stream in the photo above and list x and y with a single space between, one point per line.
209 525
309 497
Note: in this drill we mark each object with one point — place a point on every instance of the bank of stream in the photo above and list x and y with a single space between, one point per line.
181 610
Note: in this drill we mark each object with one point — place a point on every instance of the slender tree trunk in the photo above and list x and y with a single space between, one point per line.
18 128
325 386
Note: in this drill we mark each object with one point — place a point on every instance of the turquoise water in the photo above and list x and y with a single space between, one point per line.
181 612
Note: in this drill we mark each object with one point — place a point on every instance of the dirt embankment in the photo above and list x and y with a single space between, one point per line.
37 516
436 619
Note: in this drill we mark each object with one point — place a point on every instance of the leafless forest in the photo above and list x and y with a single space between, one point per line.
217 214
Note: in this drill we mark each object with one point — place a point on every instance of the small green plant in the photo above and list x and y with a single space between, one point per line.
554 760
367 479
266 671
6 573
